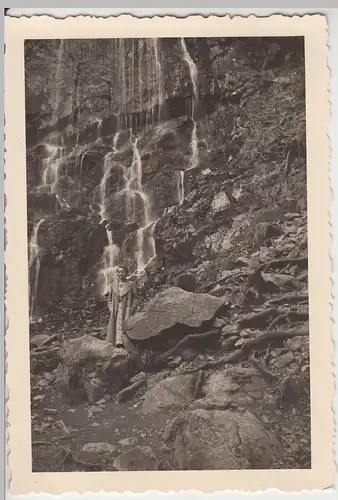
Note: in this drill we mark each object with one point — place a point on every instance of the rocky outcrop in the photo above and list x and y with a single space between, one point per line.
91 368
171 310
214 439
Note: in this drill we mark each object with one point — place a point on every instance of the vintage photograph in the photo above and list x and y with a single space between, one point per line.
167 253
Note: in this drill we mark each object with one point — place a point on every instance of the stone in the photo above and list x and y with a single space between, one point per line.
173 392
230 330
137 459
217 323
130 441
170 309
99 448
221 440
221 202
90 368
187 282
283 360
93 389
294 344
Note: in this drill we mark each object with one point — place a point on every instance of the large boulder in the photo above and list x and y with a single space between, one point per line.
221 439
90 368
171 393
172 308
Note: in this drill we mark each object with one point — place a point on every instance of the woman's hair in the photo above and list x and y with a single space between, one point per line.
125 268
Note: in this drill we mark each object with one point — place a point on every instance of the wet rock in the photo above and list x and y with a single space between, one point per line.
173 392
138 459
172 308
90 368
221 439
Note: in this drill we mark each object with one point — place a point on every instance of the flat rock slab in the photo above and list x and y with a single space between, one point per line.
170 308
221 440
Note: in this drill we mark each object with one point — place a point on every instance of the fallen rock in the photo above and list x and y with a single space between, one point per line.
90 368
221 439
139 458
170 309
173 392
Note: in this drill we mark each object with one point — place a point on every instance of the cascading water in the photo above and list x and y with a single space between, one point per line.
145 250
158 77
194 79
180 187
137 203
34 260
51 164
50 174
111 252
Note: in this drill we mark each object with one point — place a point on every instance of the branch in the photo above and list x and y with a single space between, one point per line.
183 342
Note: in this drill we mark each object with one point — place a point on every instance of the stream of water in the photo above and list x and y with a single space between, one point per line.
194 79
34 260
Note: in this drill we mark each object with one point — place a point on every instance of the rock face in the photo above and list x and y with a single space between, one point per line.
214 439
82 124
172 308
90 368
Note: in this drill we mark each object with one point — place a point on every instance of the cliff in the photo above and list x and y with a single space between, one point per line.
162 154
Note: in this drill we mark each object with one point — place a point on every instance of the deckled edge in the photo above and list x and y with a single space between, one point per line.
43 17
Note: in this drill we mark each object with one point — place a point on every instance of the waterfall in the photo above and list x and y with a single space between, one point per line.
194 79
34 260
51 164
99 130
180 187
107 166
145 249
158 79
56 98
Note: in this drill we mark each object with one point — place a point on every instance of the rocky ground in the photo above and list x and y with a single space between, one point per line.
227 388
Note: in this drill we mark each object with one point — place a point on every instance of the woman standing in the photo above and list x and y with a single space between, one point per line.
120 304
